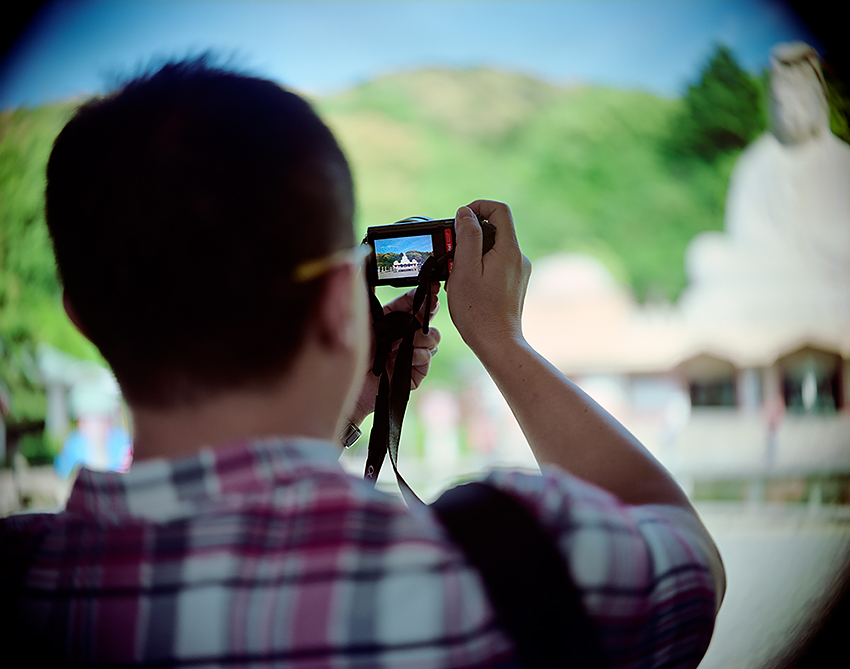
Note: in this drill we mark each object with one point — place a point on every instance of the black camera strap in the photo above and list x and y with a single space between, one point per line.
394 391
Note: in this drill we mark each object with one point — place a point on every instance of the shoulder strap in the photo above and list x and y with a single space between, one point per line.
524 574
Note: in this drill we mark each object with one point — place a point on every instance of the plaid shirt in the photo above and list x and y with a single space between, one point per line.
269 554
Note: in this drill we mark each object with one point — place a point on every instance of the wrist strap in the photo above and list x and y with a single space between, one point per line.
392 398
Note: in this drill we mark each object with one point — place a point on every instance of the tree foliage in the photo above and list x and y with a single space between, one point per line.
723 110
30 295
838 93
583 168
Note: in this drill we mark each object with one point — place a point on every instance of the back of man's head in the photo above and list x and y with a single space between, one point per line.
179 207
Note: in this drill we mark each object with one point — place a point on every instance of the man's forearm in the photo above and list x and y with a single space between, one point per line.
565 427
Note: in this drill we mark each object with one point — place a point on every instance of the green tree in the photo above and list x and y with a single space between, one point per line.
839 104
30 295
723 110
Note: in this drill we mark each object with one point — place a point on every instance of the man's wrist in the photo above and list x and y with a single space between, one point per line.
364 405
493 348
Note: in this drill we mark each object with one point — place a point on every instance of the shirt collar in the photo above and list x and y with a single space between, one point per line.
162 489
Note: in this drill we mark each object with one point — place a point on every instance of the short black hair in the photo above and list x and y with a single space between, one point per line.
178 207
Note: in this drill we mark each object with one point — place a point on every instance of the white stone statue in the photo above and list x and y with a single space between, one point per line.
785 254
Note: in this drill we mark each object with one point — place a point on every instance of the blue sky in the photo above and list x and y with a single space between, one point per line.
320 47
404 244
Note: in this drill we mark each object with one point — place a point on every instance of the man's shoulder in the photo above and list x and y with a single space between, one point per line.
643 572
577 512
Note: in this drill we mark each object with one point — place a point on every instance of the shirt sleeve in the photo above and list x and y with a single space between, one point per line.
642 573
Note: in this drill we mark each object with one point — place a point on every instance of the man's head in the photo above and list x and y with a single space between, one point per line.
179 208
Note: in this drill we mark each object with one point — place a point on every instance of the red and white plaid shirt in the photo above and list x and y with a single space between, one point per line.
269 554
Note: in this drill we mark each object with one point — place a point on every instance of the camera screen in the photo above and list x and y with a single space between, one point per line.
402 257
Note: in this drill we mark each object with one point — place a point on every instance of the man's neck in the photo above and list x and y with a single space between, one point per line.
310 399
292 408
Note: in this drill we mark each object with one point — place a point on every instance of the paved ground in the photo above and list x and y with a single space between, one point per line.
783 565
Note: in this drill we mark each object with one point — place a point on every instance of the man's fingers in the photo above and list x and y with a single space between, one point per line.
422 357
486 208
499 214
405 302
435 301
430 340
401 303
490 209
469 234
418 374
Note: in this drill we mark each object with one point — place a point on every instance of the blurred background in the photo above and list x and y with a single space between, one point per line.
679 176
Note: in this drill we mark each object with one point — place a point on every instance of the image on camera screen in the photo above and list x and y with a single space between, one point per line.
402 257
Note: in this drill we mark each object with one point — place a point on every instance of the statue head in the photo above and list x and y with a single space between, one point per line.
799 109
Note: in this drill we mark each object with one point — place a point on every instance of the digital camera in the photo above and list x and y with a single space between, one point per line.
400 250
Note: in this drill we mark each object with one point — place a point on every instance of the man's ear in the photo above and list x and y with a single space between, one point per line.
72 314
334 320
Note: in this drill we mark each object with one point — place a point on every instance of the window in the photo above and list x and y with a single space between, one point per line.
710 381
811 381
713 393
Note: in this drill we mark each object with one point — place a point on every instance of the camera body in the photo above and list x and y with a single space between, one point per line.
399 250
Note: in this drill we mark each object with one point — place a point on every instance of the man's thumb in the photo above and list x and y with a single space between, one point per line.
468 233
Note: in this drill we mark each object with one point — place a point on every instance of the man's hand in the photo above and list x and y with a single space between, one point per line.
424 348
486 292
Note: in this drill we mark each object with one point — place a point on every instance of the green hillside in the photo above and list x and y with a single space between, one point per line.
583 168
